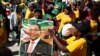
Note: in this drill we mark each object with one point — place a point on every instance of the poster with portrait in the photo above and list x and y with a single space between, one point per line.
44 24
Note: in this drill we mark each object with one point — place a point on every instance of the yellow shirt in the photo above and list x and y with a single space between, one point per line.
64 19
71 39
77 47
94 26
29 14
76 13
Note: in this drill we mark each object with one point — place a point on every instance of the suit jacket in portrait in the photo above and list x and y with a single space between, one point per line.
42 48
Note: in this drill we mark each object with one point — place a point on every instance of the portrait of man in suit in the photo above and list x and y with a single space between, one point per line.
35 46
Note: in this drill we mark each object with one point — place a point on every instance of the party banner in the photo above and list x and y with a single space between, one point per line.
44 24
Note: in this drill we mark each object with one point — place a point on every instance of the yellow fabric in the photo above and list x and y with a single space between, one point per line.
29 14
99 18
35 1
4 2
2 29
76 13
77 47
63 20
23 5
43 13
71 39
94 26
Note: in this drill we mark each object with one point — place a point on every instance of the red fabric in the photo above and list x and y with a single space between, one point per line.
8 13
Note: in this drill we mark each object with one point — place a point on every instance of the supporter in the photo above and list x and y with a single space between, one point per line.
63 17
30 10
77 46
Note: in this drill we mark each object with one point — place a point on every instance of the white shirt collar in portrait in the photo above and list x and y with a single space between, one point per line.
35 43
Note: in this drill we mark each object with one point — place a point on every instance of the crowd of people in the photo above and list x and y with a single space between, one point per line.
76 24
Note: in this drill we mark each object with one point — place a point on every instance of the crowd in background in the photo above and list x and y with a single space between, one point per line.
61 12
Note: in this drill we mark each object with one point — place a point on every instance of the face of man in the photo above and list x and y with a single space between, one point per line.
66 11
73 7
34 31
73 31
31 9
37 15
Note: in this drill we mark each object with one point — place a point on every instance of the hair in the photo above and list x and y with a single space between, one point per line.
32 5
4 51
75 6
90 4
40 12
18 9
78 3
82 14
68 7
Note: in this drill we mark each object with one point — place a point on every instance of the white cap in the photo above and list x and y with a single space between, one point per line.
96 0
65 31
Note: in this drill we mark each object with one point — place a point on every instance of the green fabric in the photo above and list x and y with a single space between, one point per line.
63 5
45 17
98 34
43 23
60 4
55 11
60 34
33 21
1 17
55 1
25 23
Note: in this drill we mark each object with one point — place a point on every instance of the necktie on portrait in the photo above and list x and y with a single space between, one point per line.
30 47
